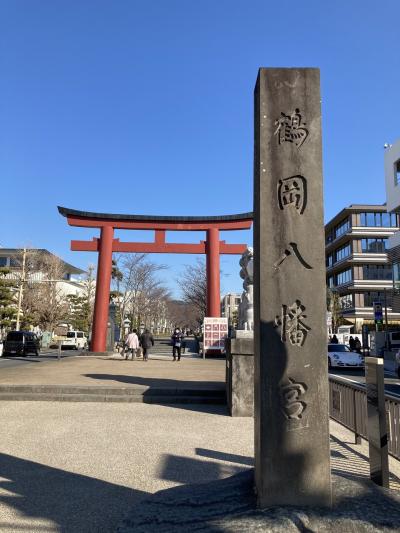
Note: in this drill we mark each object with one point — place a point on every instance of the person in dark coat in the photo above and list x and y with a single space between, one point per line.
352 343
177 339
146 342
357 345
335 340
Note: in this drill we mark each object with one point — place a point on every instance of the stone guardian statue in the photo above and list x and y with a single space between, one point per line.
246 317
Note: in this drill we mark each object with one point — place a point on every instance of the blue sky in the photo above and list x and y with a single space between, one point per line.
147 107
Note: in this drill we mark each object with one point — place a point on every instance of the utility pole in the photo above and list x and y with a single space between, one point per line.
21 288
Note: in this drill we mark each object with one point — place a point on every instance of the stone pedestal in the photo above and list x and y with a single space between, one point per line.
240 376
292 465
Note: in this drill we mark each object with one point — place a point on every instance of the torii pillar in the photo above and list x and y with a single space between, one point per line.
102 298
213 273
105 245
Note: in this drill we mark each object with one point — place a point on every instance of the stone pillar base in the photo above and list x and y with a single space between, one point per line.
240 376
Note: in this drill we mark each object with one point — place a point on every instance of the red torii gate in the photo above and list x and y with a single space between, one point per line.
106 245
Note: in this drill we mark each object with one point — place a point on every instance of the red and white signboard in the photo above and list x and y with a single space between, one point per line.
215 333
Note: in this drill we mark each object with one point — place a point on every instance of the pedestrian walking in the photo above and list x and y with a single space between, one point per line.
352 343
335 340
146 342
131 344
177 338
357 345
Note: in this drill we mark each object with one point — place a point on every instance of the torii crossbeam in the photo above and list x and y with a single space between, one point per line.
105 245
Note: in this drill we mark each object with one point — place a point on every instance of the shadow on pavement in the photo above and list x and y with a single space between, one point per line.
222 456
189 470
75 503
229 505
180 394
160 383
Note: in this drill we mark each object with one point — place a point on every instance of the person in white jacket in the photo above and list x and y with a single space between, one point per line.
131 344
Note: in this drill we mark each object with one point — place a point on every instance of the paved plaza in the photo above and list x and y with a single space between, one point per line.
73 467
115 371
70 467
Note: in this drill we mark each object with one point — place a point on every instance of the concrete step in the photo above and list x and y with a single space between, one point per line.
95 393
162 400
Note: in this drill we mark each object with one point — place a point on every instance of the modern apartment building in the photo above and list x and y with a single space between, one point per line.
392 178
357 264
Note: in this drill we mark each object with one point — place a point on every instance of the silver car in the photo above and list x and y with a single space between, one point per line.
340 355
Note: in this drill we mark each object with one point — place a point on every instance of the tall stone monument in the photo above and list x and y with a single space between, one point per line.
292 465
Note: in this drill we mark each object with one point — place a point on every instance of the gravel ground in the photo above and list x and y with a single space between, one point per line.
71 467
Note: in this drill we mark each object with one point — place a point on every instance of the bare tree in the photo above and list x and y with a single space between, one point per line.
193 284
182 314
333 305
137 288
43 296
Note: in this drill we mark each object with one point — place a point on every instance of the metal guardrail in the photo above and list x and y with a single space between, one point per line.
348 406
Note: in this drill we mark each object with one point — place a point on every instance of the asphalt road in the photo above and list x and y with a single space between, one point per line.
392 384
46 356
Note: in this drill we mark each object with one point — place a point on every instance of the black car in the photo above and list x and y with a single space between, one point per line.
21 343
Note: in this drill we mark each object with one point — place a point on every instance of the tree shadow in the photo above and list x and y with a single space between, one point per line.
189 470
162 384
229 505
190 395
74 502
223 456
285 467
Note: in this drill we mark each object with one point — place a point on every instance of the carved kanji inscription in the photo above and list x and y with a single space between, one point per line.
291 403
291 128
292 249
292 192
291 323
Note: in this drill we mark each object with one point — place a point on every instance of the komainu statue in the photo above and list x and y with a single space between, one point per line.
246 318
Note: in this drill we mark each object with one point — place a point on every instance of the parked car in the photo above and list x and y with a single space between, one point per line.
21 343
340 355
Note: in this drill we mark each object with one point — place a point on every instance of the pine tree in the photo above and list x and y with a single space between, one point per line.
80 312
7 300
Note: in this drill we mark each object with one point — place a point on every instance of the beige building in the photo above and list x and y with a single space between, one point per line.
230 307
357 264
392 178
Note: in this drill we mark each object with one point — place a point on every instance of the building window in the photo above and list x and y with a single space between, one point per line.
375 296
343 252
373 220
3 261
329 237
396 277
346 301
373 246
397 172
342 228
330 282
344 277
329 260
377 272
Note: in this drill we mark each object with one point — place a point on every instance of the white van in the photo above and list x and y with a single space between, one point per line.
75 339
